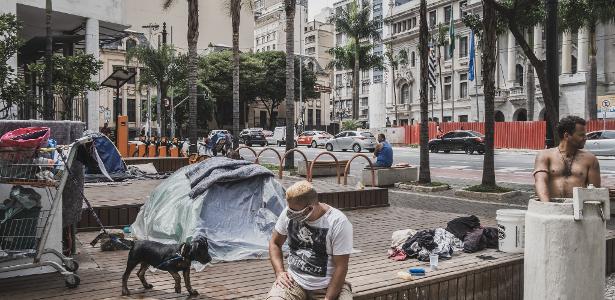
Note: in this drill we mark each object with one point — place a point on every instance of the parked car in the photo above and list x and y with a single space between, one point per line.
355 140
269 137
216 131
459 140
252 136
312 139
601 142
279 136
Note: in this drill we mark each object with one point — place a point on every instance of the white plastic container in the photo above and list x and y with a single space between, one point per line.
511 230
564 258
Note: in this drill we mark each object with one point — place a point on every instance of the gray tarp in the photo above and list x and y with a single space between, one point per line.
237 216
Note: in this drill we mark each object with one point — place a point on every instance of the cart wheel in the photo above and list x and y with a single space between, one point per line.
71 265
72 281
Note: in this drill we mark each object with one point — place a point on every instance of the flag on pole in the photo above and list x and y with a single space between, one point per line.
432 65
471 65
451 37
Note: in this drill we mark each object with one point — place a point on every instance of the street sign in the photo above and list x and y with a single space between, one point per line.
606 106
606 103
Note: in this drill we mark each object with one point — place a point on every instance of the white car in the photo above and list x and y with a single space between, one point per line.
269 137
601 142
355 140
312 138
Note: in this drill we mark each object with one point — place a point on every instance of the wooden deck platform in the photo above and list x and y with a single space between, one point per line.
372 274
118 205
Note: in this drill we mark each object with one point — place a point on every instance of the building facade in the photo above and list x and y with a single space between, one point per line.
518 95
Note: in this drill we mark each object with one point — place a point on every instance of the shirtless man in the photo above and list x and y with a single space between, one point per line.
558 170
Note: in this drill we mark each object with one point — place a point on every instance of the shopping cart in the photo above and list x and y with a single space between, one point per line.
23 235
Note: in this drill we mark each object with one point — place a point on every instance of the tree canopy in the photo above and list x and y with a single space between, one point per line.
12 89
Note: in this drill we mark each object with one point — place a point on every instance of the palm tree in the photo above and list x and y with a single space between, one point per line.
235 7
289 8
357 24
424 172
579 14
441 39
489 47
395 62
48 93
193 38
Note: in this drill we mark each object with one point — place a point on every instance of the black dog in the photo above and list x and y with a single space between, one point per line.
171 258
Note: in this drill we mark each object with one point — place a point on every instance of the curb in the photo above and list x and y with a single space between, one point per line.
487 196
419 188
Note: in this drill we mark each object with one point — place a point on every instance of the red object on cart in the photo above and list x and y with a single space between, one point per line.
28 137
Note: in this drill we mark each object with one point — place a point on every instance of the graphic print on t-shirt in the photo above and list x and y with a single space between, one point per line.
308 249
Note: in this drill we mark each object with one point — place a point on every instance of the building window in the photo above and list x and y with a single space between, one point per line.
364 88
364 74
463 118
377 78
130 44
273 46
339 39
364 101
311 66
144 111
448 14
310 39
132 110
338 80
432 18
310 50
318 117
447 88
463 46
377 8
462 8
432 93
132 80
413 59
403 26
447 54
310 117
448 119
413 22
463 85
259 4
519 74
405 94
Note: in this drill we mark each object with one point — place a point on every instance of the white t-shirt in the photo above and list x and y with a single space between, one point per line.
312 244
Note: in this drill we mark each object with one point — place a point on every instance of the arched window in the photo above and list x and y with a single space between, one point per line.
520 115
311 66
130 43
413 59
519 75
405 94
499 116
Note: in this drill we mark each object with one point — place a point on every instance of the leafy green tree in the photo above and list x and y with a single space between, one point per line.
12 89
356 22
351 125
71 78
395 61
579 14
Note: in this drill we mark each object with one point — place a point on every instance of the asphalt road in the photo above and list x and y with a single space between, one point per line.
511 166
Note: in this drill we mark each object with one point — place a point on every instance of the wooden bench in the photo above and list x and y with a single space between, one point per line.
390 176
322 168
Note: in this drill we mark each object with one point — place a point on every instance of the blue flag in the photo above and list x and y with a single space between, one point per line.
471 64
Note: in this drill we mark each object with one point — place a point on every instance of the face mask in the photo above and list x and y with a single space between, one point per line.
299 215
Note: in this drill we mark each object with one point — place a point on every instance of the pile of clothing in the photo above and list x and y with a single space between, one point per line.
461 234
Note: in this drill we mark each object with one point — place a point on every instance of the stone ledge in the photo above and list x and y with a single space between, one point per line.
487 196
420 188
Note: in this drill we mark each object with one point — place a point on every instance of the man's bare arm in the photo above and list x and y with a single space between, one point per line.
541 176
339 276
377 150
593 176
277 260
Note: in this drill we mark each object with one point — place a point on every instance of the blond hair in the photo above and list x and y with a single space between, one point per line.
302 192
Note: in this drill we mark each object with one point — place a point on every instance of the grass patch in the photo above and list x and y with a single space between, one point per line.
413 146
488 189
430 184
276 168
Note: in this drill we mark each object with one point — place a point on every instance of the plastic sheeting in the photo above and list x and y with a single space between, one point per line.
236 217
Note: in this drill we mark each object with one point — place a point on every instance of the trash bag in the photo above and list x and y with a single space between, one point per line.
236 217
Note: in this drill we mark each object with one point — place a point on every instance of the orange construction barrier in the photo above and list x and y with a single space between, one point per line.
132 148
174 152
122 135
151 151
162 151
141 150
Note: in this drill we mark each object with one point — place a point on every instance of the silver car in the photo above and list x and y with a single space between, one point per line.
355 140
601 142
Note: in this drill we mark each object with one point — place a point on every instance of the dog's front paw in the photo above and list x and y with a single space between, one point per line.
193 292
125 292
148 286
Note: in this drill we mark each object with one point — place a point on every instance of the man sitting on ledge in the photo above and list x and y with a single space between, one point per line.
383 152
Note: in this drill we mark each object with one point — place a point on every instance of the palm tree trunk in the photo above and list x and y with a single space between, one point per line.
441 86
489 38
355 83
592 81
424 172
236 14
193 37
290 81
394 97
48 111
159 110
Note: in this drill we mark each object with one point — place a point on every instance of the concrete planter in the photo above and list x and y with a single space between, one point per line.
389 176
487 196
421 188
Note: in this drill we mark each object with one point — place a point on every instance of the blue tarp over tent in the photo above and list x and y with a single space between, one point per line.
103 157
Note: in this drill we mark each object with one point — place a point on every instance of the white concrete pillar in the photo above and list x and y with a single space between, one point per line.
538 47
583 50
92 47
566 52
512 61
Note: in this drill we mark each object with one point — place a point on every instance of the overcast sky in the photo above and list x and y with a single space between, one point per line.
314 6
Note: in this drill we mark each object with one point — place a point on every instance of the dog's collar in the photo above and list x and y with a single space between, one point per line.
176 257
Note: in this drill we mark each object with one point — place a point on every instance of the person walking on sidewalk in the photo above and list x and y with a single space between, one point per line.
320 242
558 170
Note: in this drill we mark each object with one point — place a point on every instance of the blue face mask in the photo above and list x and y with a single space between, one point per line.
299 215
